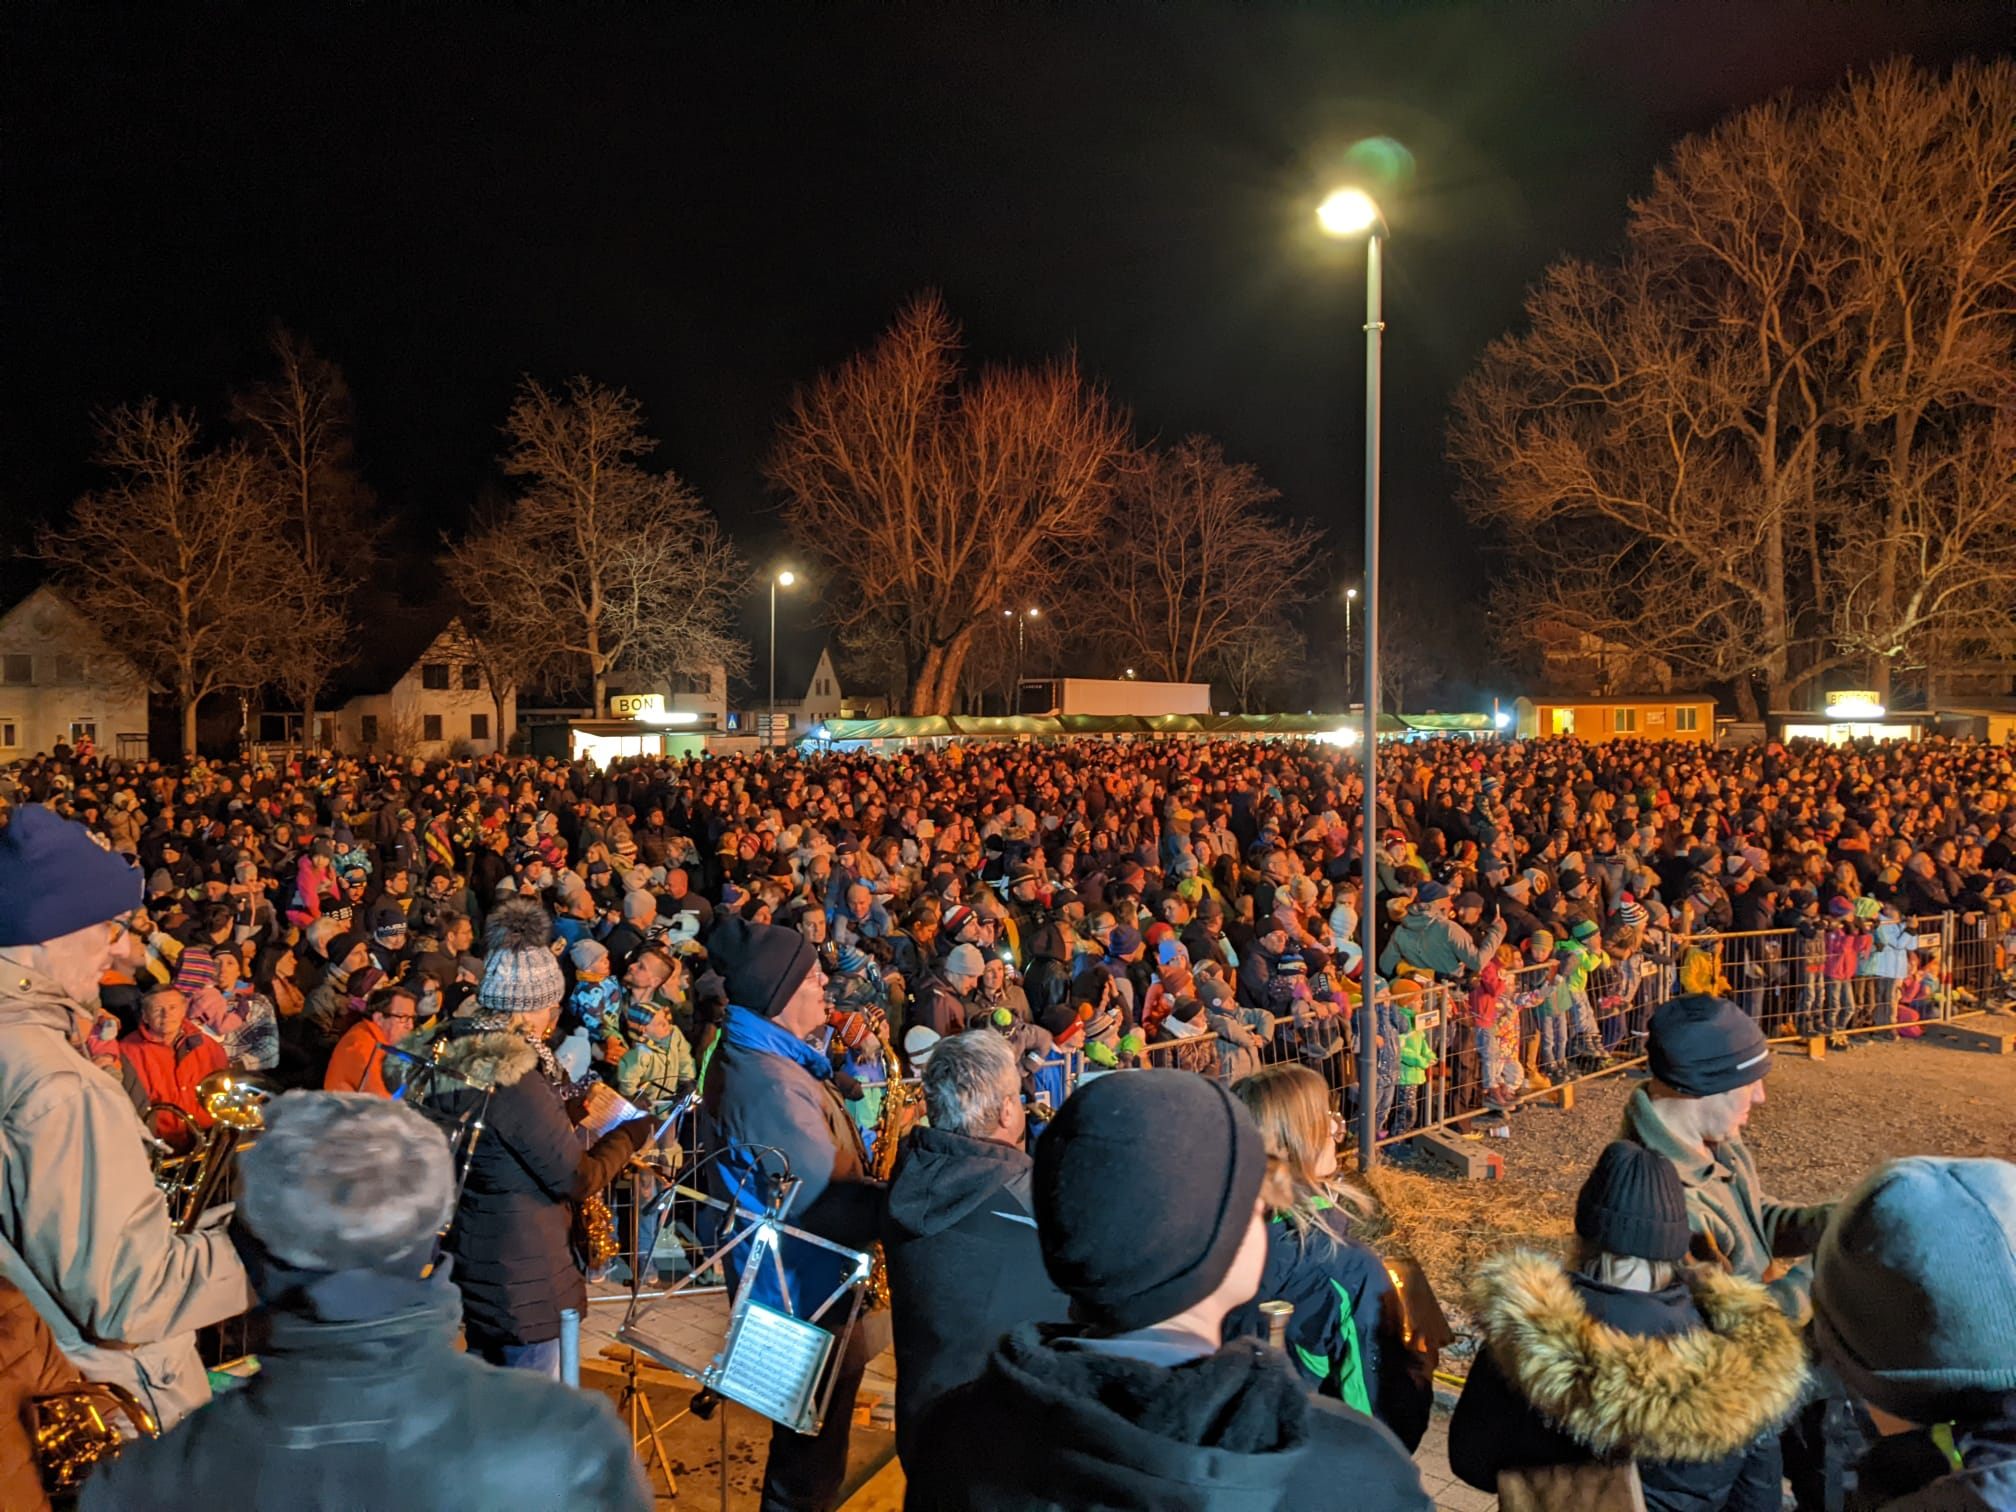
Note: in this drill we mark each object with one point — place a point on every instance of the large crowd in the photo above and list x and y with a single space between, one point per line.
1074 1284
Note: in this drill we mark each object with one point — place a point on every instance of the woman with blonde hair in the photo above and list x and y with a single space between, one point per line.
1347 1336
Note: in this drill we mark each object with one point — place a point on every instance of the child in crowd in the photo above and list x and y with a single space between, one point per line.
1885 965
1918 994
1843 945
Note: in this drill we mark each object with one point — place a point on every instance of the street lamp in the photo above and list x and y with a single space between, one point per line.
783 579
1350 603
1353 213
1021 618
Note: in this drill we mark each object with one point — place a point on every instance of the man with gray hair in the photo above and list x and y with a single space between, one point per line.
960 1230
361 1393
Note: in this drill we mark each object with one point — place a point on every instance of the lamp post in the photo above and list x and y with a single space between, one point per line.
1353 213
778 580
1021 618
1350 603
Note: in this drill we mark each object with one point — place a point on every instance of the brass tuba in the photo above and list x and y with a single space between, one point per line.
235 1102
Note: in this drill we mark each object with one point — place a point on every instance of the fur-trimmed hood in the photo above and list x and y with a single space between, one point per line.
1689 1397
490 1060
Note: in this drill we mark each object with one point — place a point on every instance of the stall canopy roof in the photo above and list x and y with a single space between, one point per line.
939 726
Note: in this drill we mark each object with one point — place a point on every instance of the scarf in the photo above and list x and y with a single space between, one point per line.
501 1023
746 1031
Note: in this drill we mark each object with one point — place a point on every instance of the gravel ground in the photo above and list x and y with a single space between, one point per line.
1823 1125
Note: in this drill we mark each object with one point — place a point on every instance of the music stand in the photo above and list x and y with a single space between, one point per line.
774 1352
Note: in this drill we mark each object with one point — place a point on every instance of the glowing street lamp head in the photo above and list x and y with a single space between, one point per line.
786 578
1347 212
1351 594
1035 614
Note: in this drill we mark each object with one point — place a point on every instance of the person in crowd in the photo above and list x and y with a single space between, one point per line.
358 1063
1629 1355
1914 1308
1708 1061
770 1108
659 1064
1431 940
1141 1403
513 1261
84 1231
960 1230
1347 1336
169 1057
362 1398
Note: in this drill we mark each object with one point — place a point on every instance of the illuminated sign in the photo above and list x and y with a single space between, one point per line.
636 705
1854 703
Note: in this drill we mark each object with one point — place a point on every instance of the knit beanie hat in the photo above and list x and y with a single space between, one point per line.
195 970
57 877
1914 1288
1701 1045
1135 1226
762 964
345 1181
520 972
589 955
964 960
1633 1204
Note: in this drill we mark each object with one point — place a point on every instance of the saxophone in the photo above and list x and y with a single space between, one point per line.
899 1100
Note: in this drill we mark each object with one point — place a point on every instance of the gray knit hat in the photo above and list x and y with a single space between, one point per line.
1914 1287
345 1181
520 972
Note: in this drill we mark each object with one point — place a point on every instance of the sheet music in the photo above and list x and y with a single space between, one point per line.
605 1113
774 1362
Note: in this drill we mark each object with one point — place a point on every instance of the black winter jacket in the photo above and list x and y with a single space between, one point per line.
383 1414
510 1239
1053 1428
964 1264
1691 1382
1911 1472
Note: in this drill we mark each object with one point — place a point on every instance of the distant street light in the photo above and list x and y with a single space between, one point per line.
1021 619
783 579
1350 602
1353 213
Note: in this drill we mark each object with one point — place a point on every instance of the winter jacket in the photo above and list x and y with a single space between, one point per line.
1416 1056
1051 1427
1844 951
1347 1335
1891 956
1690 1382
651 1067
169 1074
513 1262
1427 941
30 1366
358 1063
83 1229
964 1264
383 1413
1912 1472
1734 1223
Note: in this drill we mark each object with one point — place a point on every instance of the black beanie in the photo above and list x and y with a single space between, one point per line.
1701 1045
1633 1204
761 964
1136 1225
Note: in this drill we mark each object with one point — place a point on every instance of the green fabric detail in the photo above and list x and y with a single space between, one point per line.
1315 1364
1351 1369
1942 1435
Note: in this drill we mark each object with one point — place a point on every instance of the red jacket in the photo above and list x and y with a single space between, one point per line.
169 1074
358 1062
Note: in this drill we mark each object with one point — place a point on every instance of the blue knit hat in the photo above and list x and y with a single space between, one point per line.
1914 1288
57 877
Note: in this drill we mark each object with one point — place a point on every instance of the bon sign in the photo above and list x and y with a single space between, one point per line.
635 705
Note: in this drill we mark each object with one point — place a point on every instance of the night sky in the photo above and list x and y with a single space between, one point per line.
707 205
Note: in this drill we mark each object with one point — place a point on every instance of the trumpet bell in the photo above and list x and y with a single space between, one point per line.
237 1099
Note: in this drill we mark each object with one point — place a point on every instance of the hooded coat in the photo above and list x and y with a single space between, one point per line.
513 1261
1052 1428
964 1264
1689 1382
1429 941
83 1229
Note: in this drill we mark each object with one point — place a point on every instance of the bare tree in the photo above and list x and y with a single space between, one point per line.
507 666
300 425
1706 449
602 562
932 498
1257 662
1194 558
186 553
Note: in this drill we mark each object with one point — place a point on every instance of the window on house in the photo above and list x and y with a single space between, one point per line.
69 669
430 726
83 729
472 678
1687 720
367 729
479 726
1624 721
9 735
17 668
434 675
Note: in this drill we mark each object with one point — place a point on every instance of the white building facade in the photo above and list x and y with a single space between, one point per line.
60 683
439 706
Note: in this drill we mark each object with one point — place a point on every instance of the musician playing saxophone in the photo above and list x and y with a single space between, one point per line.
83 1229
768 1103
511 1243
